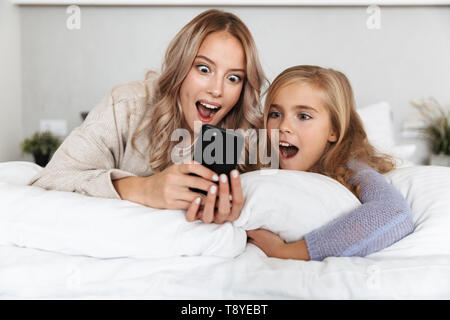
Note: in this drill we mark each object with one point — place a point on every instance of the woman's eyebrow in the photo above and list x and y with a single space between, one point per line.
214 64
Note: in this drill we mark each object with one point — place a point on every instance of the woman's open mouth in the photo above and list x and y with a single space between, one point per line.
206 111
287 150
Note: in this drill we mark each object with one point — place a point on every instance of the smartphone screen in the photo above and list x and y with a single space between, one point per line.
218 149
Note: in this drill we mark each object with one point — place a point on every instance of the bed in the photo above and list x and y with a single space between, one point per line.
62 245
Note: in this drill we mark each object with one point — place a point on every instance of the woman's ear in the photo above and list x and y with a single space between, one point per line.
333 137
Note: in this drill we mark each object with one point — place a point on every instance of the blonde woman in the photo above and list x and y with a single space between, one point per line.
320 131
123 150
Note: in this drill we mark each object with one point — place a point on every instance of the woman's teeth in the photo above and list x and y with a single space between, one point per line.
209 106
206 110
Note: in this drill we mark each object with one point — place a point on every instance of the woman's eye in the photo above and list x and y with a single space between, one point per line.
304 116
274 114
203 68
234 78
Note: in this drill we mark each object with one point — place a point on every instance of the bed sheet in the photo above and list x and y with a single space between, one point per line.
34 274
417 267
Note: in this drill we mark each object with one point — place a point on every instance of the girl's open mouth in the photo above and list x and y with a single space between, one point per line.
287 150
206 111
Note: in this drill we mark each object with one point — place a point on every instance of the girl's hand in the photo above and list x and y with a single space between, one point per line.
225 208
269 242
275 247
169 189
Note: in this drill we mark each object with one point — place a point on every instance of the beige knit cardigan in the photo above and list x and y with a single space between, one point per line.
99 151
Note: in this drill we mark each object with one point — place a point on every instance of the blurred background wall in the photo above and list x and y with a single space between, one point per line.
11 121
51 72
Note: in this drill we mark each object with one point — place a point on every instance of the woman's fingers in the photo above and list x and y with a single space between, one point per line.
237 196
217 207
209 206
225 211
196 168
183 194
223 206
197 182
191 213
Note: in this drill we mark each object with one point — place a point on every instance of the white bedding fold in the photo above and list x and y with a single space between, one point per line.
63 226
28 273
106 228
290 203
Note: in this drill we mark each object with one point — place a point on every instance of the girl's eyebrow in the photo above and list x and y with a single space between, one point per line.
214 64
306 107
300 106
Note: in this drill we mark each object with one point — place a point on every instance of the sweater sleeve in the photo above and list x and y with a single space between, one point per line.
383 219
87 159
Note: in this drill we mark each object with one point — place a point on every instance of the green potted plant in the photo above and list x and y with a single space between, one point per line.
41 145
436 128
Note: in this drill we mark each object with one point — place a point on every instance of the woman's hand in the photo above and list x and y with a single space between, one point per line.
169 189
222 209
275 247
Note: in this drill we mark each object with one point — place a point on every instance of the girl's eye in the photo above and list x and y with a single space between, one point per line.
304 116
274 114
202 68
234 78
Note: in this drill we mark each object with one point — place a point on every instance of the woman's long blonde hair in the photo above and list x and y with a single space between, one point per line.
352 142
166 116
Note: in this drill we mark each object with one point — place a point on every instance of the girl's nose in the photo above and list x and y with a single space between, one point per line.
285 126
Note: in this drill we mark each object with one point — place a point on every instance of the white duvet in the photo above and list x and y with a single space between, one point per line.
65 245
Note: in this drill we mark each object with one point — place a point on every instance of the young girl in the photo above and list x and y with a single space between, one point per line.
320 131
211 73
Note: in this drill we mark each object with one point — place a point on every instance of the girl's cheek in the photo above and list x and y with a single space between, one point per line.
271 125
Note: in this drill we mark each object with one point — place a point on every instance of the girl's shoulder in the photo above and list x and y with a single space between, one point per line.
361 171
357 165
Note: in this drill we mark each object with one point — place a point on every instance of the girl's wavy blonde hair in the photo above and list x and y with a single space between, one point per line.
166 116
352 142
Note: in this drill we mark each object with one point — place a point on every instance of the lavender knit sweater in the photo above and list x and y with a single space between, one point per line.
383 219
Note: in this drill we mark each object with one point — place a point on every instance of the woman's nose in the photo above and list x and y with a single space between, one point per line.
216 87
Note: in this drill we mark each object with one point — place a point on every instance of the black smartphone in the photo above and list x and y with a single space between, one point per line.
218 149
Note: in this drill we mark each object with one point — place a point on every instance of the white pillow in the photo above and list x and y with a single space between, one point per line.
378 124
427 190
18 172
404 151
292 203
